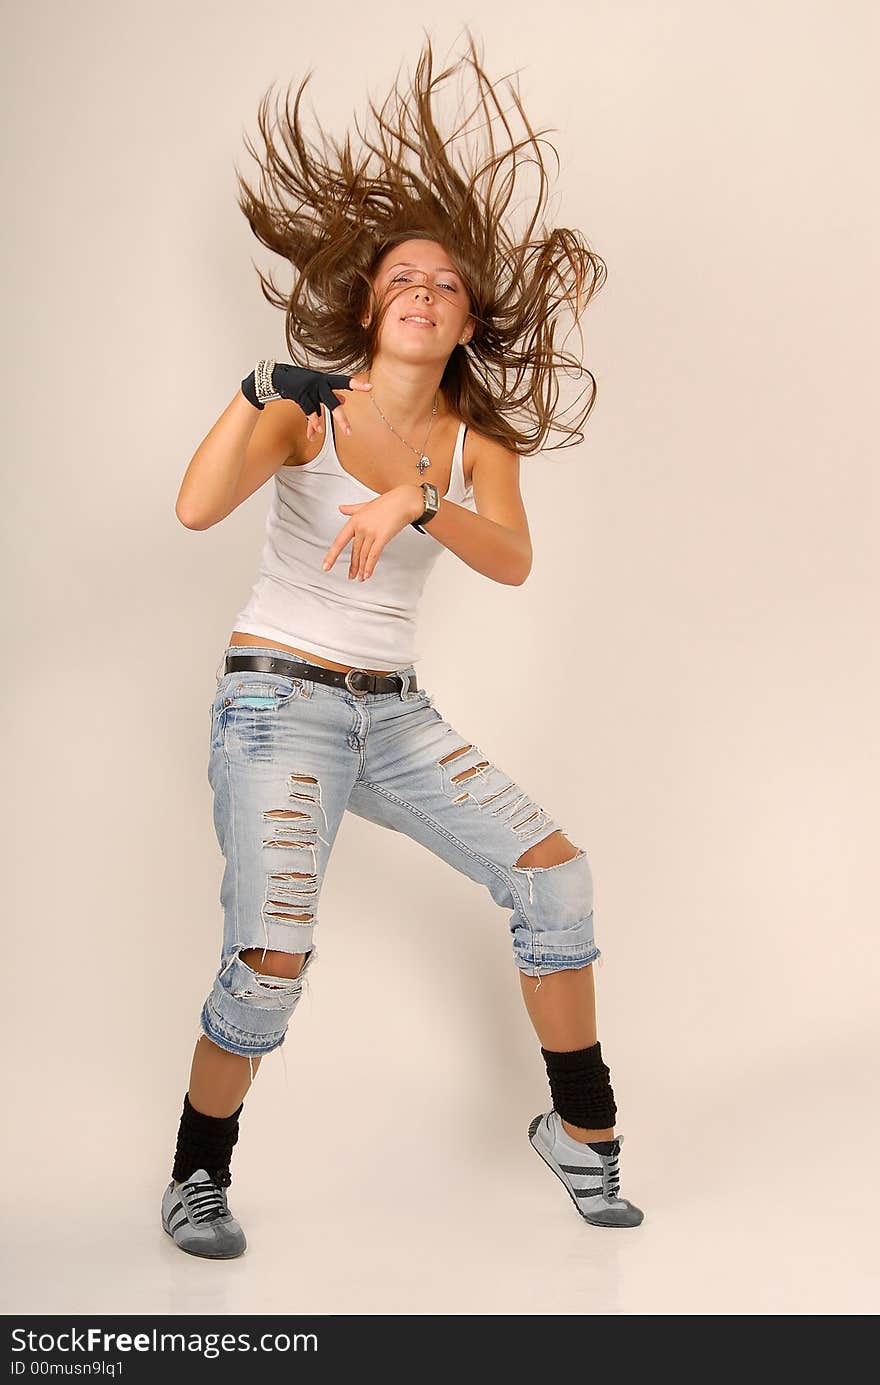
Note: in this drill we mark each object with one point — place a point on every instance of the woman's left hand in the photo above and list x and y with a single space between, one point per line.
372 525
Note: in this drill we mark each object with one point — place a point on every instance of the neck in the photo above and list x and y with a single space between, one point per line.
406 393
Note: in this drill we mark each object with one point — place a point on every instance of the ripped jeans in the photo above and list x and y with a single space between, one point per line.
288 757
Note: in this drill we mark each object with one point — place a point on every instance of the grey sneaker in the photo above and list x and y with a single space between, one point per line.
590 1174
196 1217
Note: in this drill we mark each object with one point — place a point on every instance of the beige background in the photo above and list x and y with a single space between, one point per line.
688 681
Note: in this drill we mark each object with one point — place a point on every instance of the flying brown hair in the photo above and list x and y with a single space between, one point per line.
332 216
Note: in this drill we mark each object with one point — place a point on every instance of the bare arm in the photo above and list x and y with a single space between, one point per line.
496 540
243 449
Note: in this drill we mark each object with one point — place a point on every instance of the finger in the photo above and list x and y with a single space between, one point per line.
336 547
346 382
340 414
363 549
355 556
369 558
327 391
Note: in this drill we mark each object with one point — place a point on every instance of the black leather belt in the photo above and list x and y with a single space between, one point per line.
357 680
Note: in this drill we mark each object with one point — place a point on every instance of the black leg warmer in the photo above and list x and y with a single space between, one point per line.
205 1142
580 1087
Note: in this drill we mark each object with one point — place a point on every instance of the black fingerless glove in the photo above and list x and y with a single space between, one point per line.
307 388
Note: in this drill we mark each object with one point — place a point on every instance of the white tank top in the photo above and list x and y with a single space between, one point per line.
369 624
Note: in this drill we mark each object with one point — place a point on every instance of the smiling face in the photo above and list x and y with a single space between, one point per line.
424 300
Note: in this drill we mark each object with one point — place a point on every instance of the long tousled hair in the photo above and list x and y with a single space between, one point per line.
332 214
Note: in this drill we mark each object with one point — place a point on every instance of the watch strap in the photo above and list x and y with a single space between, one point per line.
432 506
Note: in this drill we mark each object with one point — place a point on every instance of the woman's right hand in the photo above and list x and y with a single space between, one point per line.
309 389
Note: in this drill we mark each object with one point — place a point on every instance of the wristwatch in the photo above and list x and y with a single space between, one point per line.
432 505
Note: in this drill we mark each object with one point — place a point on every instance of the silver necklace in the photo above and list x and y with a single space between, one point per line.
424 461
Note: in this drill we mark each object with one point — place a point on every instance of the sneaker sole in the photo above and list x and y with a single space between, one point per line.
231 1255
606 1225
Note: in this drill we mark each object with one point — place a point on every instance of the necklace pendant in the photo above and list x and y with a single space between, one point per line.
423 463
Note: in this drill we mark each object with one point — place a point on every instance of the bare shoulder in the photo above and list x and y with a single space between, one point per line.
489 458
494 472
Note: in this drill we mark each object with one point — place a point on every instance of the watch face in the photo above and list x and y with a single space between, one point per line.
431 494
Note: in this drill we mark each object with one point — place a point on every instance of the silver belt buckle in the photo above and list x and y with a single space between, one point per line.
360 692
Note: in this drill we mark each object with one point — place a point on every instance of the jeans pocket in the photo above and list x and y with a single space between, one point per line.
262 693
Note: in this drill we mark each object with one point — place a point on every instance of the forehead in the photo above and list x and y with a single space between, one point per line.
418 254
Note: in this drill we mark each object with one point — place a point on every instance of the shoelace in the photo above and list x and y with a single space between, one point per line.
610 1175
205 1201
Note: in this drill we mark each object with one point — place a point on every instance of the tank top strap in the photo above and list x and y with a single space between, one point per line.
457 477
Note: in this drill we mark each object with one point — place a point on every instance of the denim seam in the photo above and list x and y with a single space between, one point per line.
441 831
231 801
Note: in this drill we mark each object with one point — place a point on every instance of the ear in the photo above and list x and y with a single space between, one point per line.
370 310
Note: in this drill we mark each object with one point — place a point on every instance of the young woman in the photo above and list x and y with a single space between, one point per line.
413 278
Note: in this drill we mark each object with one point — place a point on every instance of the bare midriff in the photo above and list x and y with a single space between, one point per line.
239 637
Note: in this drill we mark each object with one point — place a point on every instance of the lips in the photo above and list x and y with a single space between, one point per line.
413 321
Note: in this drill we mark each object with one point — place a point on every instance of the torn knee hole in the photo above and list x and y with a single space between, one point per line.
554 850
276 969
